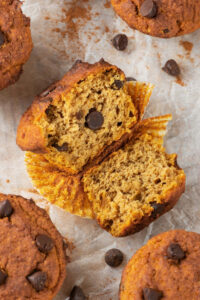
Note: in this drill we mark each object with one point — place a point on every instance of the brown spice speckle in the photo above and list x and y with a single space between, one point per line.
187 46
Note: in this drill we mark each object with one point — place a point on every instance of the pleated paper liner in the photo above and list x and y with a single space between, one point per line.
65 190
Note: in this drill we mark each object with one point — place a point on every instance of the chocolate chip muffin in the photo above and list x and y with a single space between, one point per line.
32 258
167 268
15 41
161 18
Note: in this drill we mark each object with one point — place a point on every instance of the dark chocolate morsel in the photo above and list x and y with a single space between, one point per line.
62 148
2 38
3 276
152 294
175 252
114 257
171 67
158 209
38 280
130 79
44 243
77 294
120 42
117 85
148 9
5 209
94 120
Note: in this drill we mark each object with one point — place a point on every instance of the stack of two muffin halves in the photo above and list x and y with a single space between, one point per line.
89 152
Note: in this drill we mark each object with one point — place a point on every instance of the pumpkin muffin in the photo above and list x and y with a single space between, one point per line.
166 268
161 18
15 41
32 257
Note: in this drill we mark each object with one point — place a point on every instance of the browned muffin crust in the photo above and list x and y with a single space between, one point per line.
173 18
22 253
168 264
15 41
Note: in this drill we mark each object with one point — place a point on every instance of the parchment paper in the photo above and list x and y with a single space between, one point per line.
54 52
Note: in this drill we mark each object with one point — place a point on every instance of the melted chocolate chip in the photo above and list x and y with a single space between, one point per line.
151 294
5 209
166 30
148 9
158 209
3 276
38 280
2 38
175 252
114 257
94 120
77 294
44 243
171 67
120 42
130 79
62 148
117 85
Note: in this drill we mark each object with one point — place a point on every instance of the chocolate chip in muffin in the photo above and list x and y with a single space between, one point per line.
171 67
130 79
3 276
158 209
117 85
64 147
5 209
152 294
175 252
44 243
114 257
2 38
94 120
38 280
77 294
120 42
148 9
79 115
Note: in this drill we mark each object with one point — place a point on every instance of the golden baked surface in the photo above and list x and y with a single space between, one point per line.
15 41
159 265
24 252
173 17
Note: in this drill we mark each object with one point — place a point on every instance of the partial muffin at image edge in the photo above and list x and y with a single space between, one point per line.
15 41
161 18
32 256
167 267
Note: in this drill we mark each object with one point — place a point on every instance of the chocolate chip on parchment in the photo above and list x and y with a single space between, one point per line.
62 148
148 9
117 85
152 294
3 276
130 79
171 67
38 280
175 252
120 42
94 120
5 209
77 294
114 257
2 38
44 243
158 209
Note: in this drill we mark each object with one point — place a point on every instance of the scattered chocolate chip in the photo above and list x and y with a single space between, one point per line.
171 67
119 124
130 79
77 294
166 30
151 294
79 115
148 9
62 148
5 209
120 42
117 85
158 209
94 120
114 257
2 38
3 277
175 252
44 243
37 280
130 114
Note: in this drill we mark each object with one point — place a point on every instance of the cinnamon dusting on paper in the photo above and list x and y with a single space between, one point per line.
107 4
187 46
180 82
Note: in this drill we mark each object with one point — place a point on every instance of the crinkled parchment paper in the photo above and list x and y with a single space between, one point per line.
56 47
